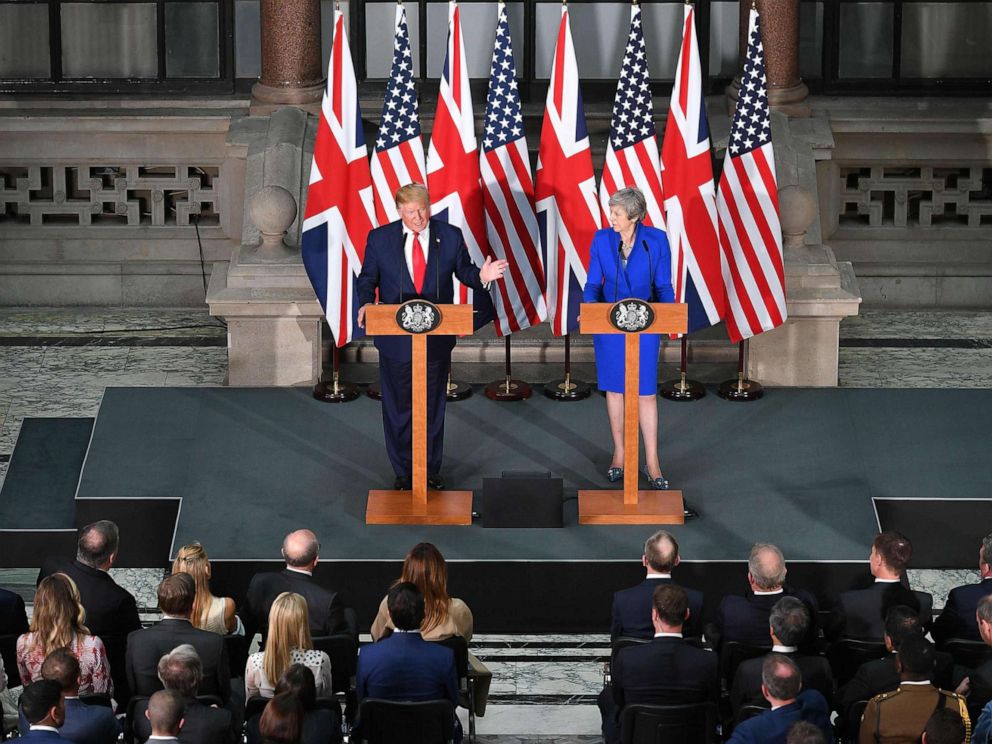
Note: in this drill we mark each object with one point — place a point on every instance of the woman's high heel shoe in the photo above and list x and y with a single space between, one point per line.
614 474
658 484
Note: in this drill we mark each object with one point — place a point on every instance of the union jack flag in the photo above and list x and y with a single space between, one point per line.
453 176
690 198
632 155
747 205
509 194
568 211
339 211
398 158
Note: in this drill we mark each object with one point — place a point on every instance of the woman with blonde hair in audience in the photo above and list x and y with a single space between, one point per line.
59 621
215 614
288 643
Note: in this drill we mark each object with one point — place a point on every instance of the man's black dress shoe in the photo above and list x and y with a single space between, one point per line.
402 483
434 482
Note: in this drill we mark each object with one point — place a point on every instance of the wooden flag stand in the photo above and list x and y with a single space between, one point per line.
632 317
419 319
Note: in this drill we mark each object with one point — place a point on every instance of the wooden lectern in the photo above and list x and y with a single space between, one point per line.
419 319
632 317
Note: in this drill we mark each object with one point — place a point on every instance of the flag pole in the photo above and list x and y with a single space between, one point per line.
508 389
741 388
336 391
567 388
683 389
456 390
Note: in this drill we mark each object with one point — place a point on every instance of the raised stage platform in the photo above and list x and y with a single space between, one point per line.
814 471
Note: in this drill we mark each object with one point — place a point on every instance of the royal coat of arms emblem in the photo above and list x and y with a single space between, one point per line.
418 316
631 315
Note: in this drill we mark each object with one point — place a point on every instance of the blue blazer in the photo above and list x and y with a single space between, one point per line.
406 667
957 620
84 724
605 282
772 727
632 610
385 269
42 737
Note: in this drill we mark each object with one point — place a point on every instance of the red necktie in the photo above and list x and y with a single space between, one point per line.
419 263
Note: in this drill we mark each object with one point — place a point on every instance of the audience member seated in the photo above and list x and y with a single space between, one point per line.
804 732
977 686
44 709
789 622
146 647
13 617
666 671
982 733
404 666
744 618
215 614
282 720
781 682
860 613
957 619
320 726
59 621
444 616
632 607
944 727
301 550
165 714
83 724
289 643
181 671
901 715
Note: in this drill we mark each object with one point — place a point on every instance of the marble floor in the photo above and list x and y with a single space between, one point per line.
58 363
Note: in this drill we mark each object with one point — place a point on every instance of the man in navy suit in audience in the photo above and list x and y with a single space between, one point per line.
781 682
665 671
404 666
860 613
744 618
632 607
83 724
43 707
978 684
165 714
957 619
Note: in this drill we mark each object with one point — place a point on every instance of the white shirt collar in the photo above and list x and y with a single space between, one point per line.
35 727
659 576
162 738
777 649
886 581
175 617
919 682
776 707
667 635
766 594
397 630
299 571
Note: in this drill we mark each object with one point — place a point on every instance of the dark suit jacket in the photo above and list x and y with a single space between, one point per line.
384 268
324 606
957 620
13 618
744 618
84 724
203 724
773 726
746 689
981 685
319 727
632 610
406 667
880 675
664 671
146 647
859 612
42 737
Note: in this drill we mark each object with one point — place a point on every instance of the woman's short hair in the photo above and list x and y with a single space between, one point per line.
632 201
412 193
299 681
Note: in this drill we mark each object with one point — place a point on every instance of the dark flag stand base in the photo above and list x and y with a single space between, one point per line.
335 391
457 390
741 389
508 389
567 389
682 389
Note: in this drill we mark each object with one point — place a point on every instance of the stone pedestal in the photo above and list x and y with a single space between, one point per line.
291 57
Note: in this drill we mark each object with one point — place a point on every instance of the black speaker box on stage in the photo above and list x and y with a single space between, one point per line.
520 499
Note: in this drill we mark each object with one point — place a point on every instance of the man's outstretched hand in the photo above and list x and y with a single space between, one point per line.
492 270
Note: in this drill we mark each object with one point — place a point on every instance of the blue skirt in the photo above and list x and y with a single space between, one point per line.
610 362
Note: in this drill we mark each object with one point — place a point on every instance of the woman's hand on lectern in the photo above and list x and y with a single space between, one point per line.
361 314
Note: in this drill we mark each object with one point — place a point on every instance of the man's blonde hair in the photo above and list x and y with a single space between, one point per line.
412 193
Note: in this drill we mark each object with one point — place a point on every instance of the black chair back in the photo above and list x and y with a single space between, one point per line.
343 653
388 722
693 723
733 653
237 653
969 654
749 711
846 655
460 648
8 652
254 706
132 705
854 716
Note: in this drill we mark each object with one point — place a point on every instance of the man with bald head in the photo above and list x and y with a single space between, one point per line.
301 551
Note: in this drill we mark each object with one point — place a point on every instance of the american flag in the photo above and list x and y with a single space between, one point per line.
690 199
747 205
509 194
568 210
398 158
453 175
339 210
632 155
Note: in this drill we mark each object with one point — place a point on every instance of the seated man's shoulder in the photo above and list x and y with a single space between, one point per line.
812 700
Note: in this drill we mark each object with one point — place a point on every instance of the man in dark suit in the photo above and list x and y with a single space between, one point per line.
165 714
781 682
632 607
415 257
744 618
44 709
860 613
957 619
978 684
111 612
146 647
789 622
82 723
326 611
13 623
665 671
181 670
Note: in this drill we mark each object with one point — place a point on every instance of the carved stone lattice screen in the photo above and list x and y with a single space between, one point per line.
132 195
916 196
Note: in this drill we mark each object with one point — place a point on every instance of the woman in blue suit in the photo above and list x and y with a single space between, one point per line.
630 260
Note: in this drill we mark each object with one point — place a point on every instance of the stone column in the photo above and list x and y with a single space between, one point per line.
291 56
780 37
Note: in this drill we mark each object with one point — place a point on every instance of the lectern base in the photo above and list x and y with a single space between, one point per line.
398 507
652 507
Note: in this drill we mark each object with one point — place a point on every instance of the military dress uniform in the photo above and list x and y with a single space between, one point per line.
899 716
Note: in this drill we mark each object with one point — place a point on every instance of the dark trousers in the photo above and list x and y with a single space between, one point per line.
397 415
